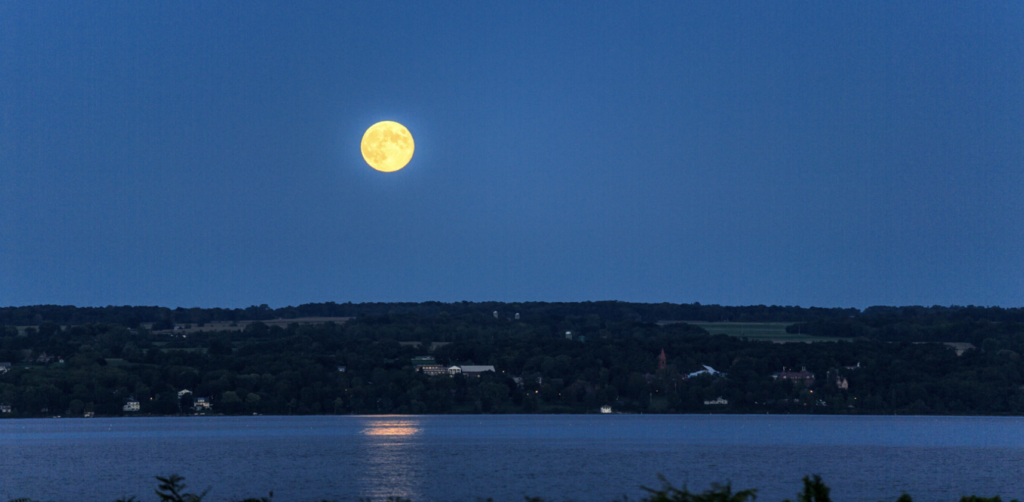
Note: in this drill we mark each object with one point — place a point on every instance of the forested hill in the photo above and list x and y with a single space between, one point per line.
608 310
919 324
544 362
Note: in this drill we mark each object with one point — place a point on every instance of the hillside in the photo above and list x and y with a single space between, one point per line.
547 363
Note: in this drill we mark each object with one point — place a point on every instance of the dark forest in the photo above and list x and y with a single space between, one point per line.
555 358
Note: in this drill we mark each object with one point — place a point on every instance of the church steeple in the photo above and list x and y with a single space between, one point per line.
662 360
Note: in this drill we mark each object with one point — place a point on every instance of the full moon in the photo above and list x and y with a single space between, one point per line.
387 146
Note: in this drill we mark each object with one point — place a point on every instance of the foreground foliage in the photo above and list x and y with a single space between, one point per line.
172 489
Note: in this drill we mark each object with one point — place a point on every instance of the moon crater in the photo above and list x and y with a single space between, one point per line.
387 146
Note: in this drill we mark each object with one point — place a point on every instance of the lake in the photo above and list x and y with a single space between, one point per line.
507 457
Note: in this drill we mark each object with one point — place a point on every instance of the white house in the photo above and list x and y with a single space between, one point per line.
606 409
182 392
469 370
5 408
720 400
476 370
202 403
131 405
5 367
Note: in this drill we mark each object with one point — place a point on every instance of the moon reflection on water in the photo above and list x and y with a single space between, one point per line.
392 427
394 458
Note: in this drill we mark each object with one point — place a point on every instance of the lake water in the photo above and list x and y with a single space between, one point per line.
507 457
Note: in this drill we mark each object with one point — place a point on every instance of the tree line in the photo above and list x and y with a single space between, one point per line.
818 318
295 369
613 310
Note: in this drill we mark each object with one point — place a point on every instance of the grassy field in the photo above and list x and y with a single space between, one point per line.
226 325
771 331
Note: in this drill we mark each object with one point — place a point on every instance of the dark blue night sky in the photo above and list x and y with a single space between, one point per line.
794 153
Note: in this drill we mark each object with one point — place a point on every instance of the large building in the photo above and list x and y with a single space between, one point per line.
428 366
432 369
476 370
803 376
469 369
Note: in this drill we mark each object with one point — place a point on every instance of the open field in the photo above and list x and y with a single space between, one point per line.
185 328
228 325
771 331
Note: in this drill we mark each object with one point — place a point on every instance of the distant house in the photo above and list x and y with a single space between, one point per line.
720 400
470 370
842 383
803 376
202 403
90 414
182 392
857 366
960 347
708 370
5 408
5 367
341 369
428 366
131 405
606 409
432 369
